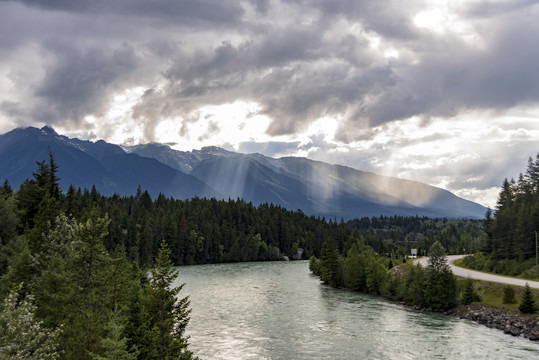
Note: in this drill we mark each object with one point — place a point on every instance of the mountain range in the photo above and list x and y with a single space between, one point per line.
315 187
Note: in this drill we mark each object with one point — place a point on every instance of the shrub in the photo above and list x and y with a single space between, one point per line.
509 295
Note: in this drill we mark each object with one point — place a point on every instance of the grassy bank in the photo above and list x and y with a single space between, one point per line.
525 270
492 295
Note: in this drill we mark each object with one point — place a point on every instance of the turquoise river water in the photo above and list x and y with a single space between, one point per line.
278 310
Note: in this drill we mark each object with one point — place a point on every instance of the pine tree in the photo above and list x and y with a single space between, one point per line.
469 295
115 345
21 269
329 264
52 182
88 269
6 189
169 315
437 258
441 291
527 304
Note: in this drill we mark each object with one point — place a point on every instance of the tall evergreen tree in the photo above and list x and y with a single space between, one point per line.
53 180
169 314
89 311
441 291
469 294
115 345
330 271
527 304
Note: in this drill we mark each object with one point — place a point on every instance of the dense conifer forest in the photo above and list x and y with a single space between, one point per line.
512 230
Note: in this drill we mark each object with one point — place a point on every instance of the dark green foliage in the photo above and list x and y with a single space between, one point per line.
441 289
469 294
21 270
355 269
376 273
6 189
391 287
331 271
414 286
101 301
88 269
8 228
434 287
397 235
509 247
314 265
511 232
527 304
169 315
33 192
509 295
115 344
441 292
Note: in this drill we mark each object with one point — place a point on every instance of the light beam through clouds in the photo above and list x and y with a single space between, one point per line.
443 92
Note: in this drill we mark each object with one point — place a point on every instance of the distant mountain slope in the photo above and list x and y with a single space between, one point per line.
84 164
180 160
331 180
243 177
315 187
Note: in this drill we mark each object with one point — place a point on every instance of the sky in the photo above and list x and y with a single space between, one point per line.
442 92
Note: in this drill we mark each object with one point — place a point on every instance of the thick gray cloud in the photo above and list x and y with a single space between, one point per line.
300 60
365 63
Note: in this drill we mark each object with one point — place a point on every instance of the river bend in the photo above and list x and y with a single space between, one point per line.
278 310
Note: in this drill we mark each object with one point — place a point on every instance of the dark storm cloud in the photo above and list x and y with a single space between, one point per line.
83 82
179 11
299 60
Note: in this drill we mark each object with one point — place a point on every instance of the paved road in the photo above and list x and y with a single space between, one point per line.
462 272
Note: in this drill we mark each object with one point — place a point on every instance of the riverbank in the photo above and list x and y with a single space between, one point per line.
514 324
526 326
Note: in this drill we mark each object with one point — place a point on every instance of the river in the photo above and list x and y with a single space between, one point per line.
278 310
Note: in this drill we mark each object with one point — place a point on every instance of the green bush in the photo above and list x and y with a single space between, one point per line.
509 295
314 265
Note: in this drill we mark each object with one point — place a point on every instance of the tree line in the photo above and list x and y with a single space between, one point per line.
362 269
510 244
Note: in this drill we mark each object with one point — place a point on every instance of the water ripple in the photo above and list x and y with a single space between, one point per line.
279 311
